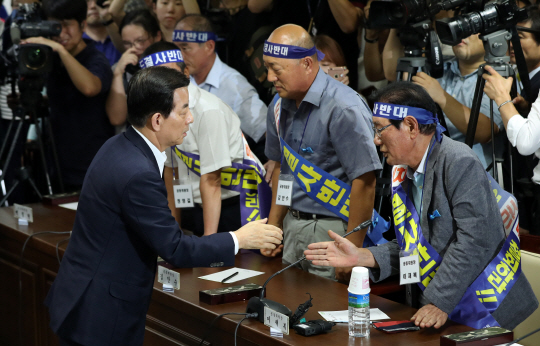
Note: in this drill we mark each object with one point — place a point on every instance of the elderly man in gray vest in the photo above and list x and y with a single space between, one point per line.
447 220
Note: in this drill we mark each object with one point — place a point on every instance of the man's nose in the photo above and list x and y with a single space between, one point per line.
271 76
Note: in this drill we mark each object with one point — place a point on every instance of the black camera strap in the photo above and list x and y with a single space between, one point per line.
520 60
435 55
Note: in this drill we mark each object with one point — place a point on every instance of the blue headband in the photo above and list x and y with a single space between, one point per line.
193 36
399 112
290 52
161 58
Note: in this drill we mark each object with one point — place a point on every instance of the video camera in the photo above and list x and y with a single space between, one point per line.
496 15
32 59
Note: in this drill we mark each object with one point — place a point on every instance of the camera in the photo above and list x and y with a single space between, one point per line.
494 16
397 14
33 59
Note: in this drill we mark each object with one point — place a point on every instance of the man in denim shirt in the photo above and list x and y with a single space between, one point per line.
328 124
454 93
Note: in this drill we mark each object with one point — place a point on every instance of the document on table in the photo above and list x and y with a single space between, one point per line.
242 274
343 316
72 206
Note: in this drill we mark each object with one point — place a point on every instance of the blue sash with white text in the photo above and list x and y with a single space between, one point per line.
488 290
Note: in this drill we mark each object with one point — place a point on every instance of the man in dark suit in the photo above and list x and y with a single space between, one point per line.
440 193
103 288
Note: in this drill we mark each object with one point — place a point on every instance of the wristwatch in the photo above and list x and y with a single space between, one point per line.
108 22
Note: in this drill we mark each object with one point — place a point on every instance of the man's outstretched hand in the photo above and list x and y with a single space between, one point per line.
259 235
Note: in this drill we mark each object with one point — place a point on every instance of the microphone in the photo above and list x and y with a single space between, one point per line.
523 337
257 304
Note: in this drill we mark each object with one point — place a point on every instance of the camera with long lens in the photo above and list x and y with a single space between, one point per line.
397 14
32 59
497 15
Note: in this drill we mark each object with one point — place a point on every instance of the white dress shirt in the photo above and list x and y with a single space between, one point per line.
524 134
234 89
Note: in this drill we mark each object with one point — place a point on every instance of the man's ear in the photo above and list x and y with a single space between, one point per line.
156 121
210 46
411 124
309 64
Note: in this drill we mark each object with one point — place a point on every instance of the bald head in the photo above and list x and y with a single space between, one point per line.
292 78
293 35
194 22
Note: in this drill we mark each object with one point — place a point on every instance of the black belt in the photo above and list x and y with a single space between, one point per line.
308 216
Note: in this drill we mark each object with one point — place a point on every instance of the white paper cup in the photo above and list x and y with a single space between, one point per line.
359 283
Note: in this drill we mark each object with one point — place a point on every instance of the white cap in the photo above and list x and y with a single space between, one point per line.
359 283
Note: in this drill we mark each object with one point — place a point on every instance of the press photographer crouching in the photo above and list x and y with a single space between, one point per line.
77 89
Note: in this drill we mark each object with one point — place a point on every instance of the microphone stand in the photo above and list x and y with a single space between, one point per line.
257 304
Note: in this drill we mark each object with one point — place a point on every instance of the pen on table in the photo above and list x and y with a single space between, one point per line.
229 277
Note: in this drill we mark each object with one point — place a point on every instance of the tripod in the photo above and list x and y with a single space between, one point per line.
496 46
30 93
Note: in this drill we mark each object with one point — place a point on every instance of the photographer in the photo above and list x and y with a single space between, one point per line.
530 44
103 31
139 29
523 133
454 93
77 89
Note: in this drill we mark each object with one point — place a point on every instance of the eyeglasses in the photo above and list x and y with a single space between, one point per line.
138 43
377 131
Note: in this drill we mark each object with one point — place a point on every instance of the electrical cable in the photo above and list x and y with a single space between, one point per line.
236 330
247 315
20 276
57 245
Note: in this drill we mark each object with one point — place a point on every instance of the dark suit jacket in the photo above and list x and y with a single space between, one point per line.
532 95
468 235
103 288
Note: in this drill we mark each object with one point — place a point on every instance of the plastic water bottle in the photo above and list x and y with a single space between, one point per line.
358 315
359 303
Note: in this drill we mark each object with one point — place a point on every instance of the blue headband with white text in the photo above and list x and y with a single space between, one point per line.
161 58
286 51
193 36
399 112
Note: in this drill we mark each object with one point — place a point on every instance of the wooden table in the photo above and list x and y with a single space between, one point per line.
180 318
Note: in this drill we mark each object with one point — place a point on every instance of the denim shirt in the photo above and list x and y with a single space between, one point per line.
462 89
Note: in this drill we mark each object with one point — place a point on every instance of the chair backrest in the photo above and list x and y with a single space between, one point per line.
530 266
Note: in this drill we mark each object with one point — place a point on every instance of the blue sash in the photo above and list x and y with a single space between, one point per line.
488 290
324 188
245 178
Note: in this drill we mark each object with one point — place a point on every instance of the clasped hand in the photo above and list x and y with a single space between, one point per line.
259 235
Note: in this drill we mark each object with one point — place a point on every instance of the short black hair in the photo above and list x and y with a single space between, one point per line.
533 13
407 94
151 90
66 9
162 46
143 18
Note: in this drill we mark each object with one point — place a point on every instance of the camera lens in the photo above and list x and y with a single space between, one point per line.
35 58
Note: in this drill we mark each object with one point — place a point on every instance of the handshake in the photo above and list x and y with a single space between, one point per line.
259 235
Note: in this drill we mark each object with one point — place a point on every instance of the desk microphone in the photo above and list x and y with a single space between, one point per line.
257 304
